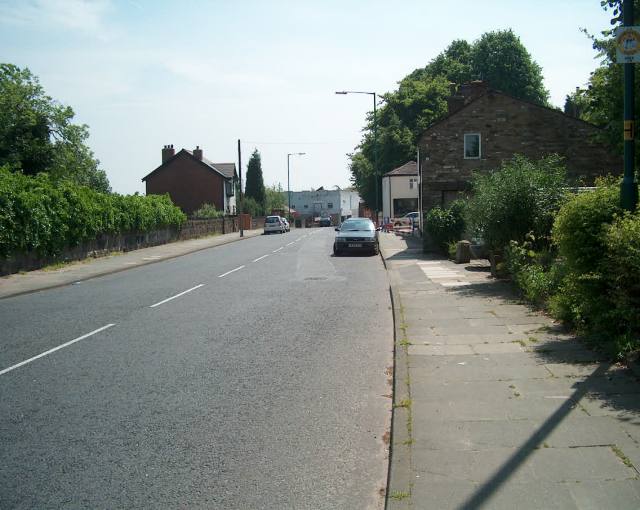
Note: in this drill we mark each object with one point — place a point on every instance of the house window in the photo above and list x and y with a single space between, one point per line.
329 205
413 183
306 206
472 146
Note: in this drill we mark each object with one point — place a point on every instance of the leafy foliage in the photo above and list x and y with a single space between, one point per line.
275 198
37 133
250 206
254 187
519 198
446 226
41 215
208 211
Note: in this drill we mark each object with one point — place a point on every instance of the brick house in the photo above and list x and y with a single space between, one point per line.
191 180
485 127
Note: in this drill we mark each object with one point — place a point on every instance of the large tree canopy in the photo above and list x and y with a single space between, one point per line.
37 133
497 57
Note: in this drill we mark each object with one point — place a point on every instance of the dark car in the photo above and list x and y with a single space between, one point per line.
325 222
356 235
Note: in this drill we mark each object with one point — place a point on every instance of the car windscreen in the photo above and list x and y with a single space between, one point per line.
357 225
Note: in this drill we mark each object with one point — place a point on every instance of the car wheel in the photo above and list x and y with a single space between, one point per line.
376 249
336 252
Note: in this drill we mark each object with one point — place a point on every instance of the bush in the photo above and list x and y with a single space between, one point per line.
521 197
250 206
208 211
39 215
446 226
600 248
536 274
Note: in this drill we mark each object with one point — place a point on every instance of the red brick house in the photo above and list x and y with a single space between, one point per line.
191 180
485 127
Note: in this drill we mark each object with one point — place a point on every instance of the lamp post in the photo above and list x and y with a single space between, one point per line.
375 140
288 191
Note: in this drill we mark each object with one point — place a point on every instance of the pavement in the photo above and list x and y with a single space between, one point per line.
495 405
32 281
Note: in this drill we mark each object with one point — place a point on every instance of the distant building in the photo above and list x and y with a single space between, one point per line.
485 127
323 202
400 190
191 180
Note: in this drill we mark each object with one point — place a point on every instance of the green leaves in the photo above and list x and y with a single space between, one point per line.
37 133
519 198
37 214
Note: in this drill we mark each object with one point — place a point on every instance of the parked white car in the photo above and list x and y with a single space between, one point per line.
274 224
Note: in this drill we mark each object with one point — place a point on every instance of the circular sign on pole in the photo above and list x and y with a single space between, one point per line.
628 45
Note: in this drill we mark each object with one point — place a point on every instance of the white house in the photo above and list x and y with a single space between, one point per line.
400 190
325 202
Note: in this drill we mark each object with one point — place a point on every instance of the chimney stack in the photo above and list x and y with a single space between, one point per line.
168 152
197 153
466 93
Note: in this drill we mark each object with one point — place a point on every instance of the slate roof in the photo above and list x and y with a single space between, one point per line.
409 168
226 170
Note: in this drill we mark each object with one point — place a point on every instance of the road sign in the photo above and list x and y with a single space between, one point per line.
627 45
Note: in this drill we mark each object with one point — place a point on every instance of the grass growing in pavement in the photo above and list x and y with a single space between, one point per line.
400 495
620 454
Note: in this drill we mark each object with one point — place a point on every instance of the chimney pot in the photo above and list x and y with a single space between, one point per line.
167 152
197 153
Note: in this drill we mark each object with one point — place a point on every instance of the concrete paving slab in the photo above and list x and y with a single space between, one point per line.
618 494
501 348
444 391
439 350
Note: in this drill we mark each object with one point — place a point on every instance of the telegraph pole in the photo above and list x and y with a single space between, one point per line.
240 191
628 44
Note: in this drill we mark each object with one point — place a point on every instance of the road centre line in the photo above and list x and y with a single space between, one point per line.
292 242
177 295
260 258
276 251
67 344
229 272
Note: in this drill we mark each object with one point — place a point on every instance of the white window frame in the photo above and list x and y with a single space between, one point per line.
413 182
464 153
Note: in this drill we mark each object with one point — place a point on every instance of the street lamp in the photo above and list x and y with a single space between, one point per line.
375 139
288 191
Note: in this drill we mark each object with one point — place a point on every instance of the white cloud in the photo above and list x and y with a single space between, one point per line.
84 16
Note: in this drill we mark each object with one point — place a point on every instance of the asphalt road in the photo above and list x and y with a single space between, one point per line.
250 375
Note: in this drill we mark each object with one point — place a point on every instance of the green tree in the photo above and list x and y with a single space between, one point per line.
500 59
275 198
254 187
37 133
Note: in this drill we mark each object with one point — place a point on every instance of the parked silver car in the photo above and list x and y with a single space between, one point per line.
274 224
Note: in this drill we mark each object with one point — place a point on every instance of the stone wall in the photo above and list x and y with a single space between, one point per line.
507 127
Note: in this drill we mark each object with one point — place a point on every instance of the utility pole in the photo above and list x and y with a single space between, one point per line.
240 191
629 186
375 154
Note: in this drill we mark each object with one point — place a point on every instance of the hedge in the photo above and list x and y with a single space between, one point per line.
38 215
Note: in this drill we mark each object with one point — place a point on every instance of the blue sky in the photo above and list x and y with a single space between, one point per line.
143 74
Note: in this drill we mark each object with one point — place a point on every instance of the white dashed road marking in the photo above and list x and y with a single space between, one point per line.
67 344
229 272
177 295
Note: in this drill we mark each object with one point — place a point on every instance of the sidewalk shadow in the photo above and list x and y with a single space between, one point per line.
614 388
